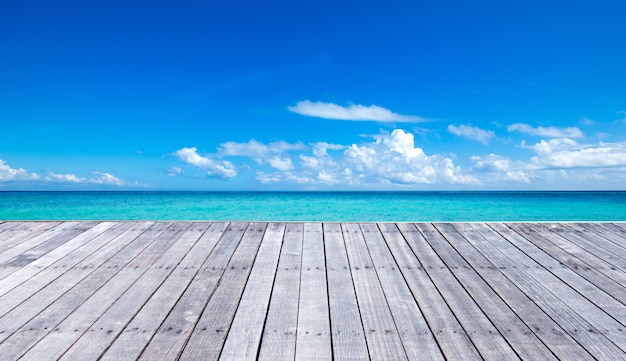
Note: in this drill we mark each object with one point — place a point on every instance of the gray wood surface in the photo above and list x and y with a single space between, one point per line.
381 333
242 342
348 337
313 335
552 335
416 336
208 337
140 330
146 290
279 335
480 329
173 334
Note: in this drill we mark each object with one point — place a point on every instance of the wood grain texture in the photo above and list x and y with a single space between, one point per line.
279 334
312 291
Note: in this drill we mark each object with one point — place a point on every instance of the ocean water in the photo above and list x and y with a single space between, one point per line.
316 206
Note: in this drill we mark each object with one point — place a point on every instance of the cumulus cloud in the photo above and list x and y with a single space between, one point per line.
15 174
501 168
566 153
106 178
223 169
354 112
279 163
8 173
64 178
550 132
472 133
386 160
394 159
257 150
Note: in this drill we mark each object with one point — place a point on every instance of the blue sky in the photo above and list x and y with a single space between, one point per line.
280 95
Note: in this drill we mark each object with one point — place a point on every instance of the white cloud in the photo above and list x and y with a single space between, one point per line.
499 168
252 149
550 132
267 178
355 112
558 153
15 174
174 171
394 159
106 178
64 178
552 145
386 160
256 150
283 164
472 133
586 121
223 169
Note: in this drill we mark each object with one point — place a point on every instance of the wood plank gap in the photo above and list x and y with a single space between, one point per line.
346 327
51 311
381 333
244 338
64 335
279 334
540 323
174 332
313 339
208 337
488 340
537 283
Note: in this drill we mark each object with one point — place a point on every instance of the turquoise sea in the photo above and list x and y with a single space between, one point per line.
315 206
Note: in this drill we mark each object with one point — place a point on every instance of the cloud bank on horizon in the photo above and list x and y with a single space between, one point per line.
390 159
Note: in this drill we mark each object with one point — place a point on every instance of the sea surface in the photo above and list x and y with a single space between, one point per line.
316 206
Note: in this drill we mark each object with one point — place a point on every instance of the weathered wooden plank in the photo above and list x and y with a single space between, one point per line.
34 278
22 231
208 337
552 335
32 297
244 338
590 242
348 337
536 282
450 336
579 260
63 336
136 335
173 334
313 337
102 333
577 278
29 243
51 311
136 290
279 334
604 230
10 228
417 338
51 244
381 332
616 229
4 225
37 262
485 336
521 338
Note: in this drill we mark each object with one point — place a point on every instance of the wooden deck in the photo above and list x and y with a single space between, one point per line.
312 291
